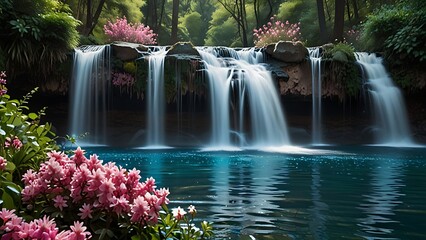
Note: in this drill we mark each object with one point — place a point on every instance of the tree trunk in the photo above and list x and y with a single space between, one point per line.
321 21
356 12
175 17
339 20
91 19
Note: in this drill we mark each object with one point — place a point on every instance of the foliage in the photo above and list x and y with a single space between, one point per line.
399 30
341 68
36 35
120 30
409 41
192 29
124 81
341 52
24 142
276 30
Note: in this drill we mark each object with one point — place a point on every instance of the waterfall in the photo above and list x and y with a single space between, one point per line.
389 106
156 99
315 60
219 84
241 70
88 93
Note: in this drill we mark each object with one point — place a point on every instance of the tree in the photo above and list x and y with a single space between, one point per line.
321 21
175 17
339 20
237 9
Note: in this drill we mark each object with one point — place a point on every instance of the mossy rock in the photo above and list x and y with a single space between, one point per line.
340 56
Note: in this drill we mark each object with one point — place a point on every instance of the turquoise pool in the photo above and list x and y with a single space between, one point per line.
361 192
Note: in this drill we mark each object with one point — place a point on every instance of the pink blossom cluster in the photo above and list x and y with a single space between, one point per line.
14 227
93 187
128 32
13 143
275 31
3 89
122 79
352 35
3 163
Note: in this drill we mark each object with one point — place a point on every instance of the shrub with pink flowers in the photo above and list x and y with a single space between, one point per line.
109 199
124 81
14 227
24 143
276 30
121 30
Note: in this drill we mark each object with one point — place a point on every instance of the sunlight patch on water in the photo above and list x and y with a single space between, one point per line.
298 150
221 148
402 144
154 147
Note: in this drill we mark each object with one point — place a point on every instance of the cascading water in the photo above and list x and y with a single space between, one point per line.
241 69
156 99
88 93
315 59
389 106
219 82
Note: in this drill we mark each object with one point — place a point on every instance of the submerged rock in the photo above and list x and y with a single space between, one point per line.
287 51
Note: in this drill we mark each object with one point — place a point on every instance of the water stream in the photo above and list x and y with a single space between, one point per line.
389 107
315 60
89 93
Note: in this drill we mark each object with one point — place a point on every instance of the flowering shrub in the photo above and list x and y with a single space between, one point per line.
123 80
24 143
14 227
128 32
275 31
110 199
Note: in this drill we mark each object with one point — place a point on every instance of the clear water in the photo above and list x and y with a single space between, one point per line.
364 192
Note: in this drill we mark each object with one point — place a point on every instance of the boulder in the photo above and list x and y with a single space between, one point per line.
287 51
126 51
183 49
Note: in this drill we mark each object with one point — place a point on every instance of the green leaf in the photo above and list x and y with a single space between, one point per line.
32 116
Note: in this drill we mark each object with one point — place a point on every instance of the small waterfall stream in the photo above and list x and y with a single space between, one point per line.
241 69
89 92
156 104
315 60
389 106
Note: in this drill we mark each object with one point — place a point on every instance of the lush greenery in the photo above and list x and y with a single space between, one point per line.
341 69
41 189
399 30
36 35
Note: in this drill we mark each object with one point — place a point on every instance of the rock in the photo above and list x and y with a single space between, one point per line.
183 49
126 51
286 51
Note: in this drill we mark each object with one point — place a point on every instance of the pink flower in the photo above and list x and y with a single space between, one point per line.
85 211
139 209
78 232
178 213
45 229
60 202
14 143
120 205
3 163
